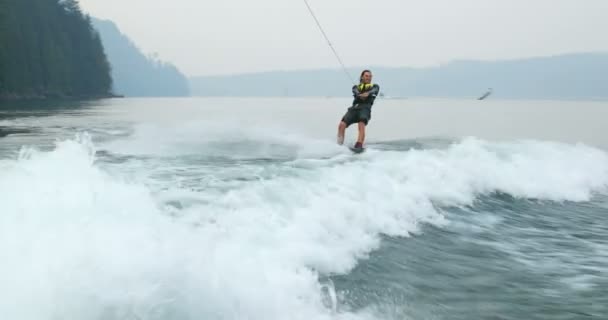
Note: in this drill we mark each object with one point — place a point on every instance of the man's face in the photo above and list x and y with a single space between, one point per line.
367 77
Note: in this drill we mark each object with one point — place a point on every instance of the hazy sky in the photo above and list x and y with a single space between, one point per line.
207 37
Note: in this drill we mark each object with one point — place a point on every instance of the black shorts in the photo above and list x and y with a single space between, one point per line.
356 115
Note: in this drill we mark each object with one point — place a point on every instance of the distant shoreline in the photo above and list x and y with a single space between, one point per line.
408 98
35 97
567 76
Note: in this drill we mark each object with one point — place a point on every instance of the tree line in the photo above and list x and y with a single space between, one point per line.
49 48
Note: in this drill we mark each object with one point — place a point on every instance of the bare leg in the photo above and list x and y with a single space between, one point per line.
341 129
361 137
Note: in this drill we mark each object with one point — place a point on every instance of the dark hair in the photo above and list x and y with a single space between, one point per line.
362 73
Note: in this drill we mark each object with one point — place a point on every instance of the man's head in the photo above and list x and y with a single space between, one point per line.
366 77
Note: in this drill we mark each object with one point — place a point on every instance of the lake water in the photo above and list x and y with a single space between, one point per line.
226 208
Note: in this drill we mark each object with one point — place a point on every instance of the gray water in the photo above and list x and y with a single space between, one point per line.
247 209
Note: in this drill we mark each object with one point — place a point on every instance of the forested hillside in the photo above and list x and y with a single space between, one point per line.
48 48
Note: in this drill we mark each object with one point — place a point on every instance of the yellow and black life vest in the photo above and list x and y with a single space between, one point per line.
362 87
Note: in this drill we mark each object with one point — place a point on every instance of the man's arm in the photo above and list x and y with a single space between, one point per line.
355 91
373 92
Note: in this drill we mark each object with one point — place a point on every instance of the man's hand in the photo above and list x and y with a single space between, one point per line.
364 95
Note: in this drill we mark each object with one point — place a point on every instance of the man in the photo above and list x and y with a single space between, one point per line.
361 111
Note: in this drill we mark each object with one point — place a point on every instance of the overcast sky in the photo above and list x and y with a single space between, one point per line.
208 37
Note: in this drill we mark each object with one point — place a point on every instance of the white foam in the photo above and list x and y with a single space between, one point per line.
220 139
527 169
79 243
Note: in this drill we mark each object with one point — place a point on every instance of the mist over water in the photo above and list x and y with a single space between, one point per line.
216 209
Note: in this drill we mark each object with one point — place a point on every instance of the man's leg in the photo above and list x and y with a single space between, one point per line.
364 116
347 120
361 137
341 129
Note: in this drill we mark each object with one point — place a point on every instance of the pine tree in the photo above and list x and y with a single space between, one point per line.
71 6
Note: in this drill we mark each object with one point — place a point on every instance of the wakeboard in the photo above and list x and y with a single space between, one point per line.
356 150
